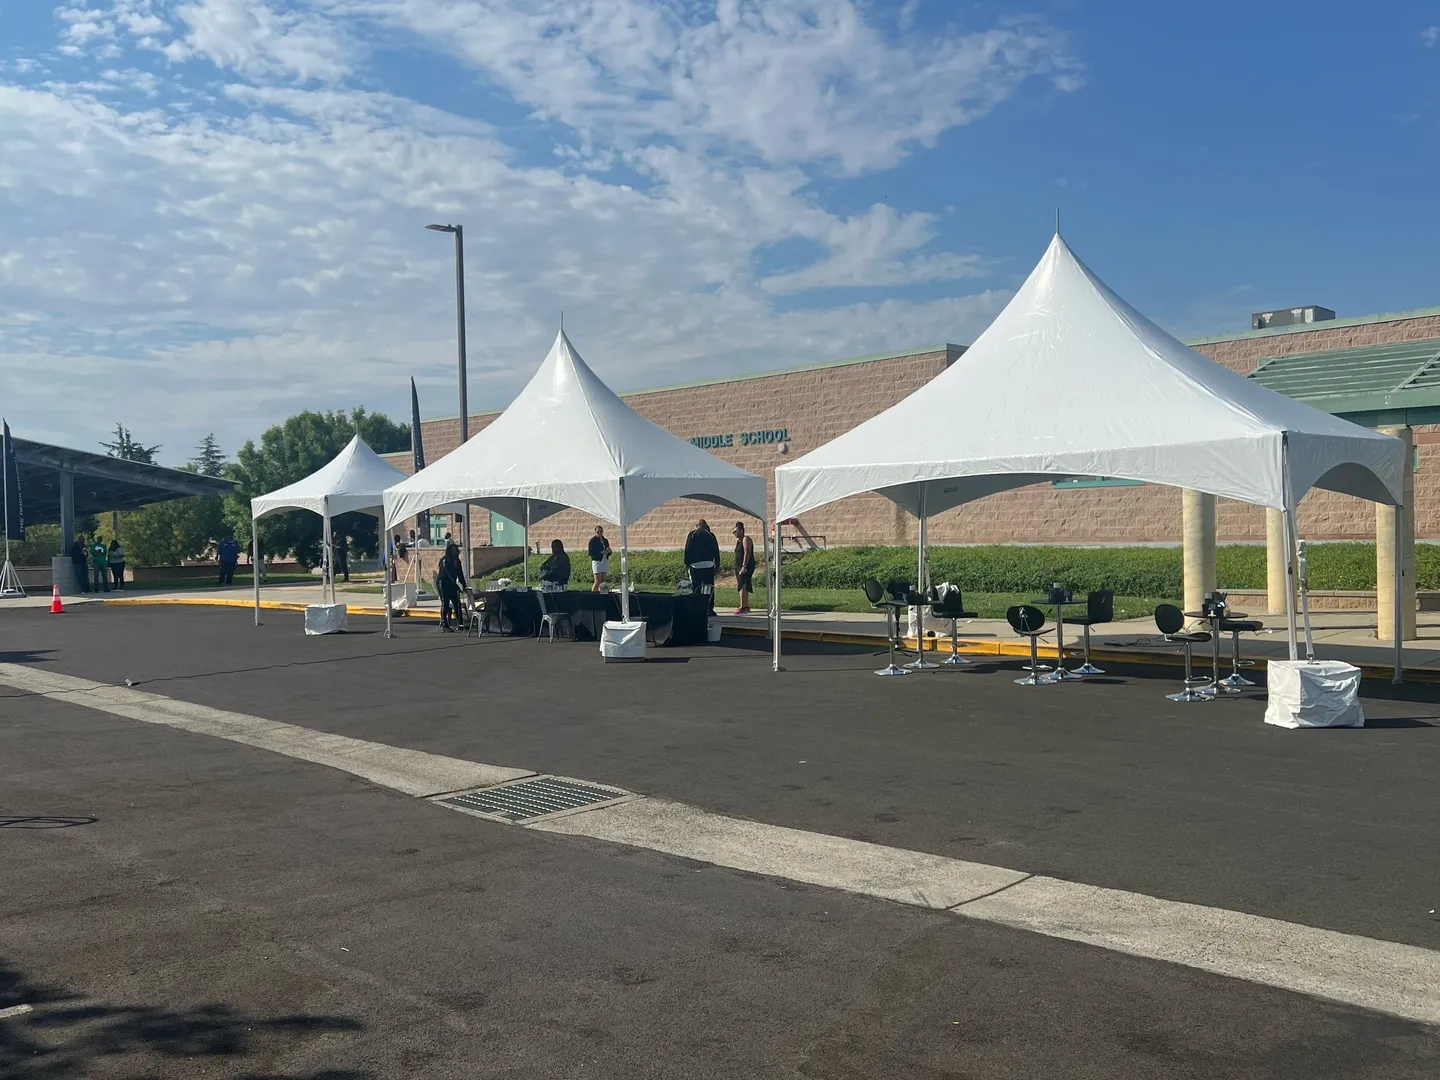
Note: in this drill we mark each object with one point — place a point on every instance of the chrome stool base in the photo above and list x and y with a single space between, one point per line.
1236 681
922 665
1036 680
1190 695
1061 674
1088 668
892 669
954 660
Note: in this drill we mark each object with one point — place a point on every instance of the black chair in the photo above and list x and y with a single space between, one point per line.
551 619
875 593
952 607
1099 608
1236 627
1170 621
1029 622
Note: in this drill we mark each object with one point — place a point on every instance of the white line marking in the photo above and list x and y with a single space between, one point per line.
412 772
15 1010
1403 980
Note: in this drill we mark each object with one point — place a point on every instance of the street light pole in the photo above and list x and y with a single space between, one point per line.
459 231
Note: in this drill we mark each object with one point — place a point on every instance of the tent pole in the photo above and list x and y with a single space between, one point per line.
624 558
920 582
325 570
526 562
1399 628
255 564
1290 583
389 573
775 597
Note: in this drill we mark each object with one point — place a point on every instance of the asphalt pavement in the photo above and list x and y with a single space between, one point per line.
191 907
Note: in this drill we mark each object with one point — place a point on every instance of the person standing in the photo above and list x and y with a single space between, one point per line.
451 579
117 564
229 554
744 566
342 557
599 552
702 556
79 563
100 564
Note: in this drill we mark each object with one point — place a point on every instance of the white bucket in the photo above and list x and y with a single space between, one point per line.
712 630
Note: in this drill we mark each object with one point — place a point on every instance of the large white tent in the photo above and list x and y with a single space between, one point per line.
567 440
1071 381
352 482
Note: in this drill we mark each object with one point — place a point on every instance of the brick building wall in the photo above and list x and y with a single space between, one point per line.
816 404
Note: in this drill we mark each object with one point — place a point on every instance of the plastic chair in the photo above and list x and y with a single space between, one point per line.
875 593
551 619
952 607
1028 621
1170 621
1236 627
1099 608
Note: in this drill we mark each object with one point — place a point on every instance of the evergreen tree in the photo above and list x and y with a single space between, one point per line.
128 448
208 459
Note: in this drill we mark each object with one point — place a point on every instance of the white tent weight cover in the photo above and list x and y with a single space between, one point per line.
567 440
1071 381
352 482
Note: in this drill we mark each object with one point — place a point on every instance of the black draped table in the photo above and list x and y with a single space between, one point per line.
672 619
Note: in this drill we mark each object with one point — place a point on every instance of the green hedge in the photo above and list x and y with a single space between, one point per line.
1128 571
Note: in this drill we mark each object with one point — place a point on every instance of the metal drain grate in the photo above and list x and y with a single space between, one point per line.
532 798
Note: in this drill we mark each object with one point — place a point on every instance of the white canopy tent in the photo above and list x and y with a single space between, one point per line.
1071 381
567 440
352 482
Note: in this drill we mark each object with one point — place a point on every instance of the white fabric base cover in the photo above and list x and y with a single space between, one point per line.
325 619
1313 693
404 595
622 642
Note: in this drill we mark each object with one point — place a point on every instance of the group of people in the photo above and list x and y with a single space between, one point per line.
97 567
702 561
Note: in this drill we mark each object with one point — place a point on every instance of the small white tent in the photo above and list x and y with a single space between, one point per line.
352 482
1071 381
567 440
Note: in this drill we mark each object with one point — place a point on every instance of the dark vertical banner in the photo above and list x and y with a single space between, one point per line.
417 448
14 504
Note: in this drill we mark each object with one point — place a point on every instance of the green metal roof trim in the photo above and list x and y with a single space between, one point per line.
1365 378
1328 324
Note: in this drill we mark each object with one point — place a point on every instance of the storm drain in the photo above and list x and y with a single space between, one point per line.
535 798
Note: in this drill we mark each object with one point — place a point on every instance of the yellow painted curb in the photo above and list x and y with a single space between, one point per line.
266 605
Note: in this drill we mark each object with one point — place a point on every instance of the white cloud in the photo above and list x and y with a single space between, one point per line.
793 81
227 253
1430 36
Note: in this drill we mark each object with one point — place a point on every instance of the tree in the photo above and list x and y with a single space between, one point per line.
168 533
292 451
128 449
208 459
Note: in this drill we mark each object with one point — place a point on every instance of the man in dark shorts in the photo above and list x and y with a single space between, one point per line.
744 567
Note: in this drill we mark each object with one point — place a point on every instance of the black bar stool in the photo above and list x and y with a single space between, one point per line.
1170 621
1099 608
1236 627
875 593
952 607
1028 621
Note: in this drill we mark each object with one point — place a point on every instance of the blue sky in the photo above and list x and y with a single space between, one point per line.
211 211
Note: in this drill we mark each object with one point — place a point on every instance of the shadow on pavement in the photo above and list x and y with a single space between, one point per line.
63 1034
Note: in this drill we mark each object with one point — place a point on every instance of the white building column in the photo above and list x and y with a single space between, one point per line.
1197 532
1387 520
1275 561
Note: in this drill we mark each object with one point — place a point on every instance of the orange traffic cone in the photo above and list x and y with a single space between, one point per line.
56 607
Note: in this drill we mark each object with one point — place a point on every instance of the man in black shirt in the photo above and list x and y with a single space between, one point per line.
702 557
451 579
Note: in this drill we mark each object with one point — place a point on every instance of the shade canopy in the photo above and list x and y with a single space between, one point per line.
568 441
351 482
1071 381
